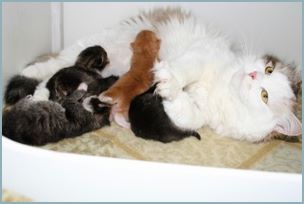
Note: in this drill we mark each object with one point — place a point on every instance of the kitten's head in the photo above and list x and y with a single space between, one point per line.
94 57
267 86
146 41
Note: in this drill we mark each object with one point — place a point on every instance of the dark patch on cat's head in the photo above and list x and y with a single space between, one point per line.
94 57
271 59
290 70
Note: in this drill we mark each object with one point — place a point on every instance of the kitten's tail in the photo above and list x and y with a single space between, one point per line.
179 134
18 87
193 133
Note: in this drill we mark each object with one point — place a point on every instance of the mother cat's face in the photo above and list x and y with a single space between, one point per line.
265 88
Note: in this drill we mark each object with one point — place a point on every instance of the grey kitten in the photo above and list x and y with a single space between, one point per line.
40 122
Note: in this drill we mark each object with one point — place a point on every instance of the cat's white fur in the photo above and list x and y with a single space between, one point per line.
202 79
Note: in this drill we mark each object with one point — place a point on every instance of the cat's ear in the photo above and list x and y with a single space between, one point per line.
289 125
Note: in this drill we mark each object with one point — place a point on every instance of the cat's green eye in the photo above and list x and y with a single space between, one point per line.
268 70
264 96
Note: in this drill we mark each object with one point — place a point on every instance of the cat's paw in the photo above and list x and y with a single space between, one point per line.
167 86
86 103
106 99
41 94
83 86
29 97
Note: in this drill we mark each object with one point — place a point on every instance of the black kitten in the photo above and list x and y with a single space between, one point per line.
40 122
149 120
19 87
87 68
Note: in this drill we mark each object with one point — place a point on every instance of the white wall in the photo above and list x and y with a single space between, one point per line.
26 33
27 27
267 27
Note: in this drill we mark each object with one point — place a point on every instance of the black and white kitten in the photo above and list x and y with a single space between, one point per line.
149 120
89 64
40 122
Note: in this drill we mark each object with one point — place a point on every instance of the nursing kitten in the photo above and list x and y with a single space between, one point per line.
203 81
89 64
137 80
149 120
40 122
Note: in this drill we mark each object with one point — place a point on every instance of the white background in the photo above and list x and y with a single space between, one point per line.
27 27
26 33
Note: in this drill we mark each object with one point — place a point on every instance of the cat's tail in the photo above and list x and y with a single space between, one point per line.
19 87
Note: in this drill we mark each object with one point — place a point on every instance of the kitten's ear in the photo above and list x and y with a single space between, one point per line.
289 125
158 44
158 41
132 45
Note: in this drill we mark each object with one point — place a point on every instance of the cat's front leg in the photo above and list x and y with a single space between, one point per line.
174 75
167 85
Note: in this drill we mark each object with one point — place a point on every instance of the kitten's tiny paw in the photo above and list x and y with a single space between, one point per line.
87 103
29 97
167 86
121 120
105 99
83 86
161 65
41 94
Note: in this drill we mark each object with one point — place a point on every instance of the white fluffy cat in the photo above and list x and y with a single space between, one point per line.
202 79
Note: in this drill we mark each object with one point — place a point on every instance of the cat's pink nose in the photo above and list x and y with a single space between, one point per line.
253 75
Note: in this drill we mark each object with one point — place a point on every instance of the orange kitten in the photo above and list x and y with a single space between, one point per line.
137 80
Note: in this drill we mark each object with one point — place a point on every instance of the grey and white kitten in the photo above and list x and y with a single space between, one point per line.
40 122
